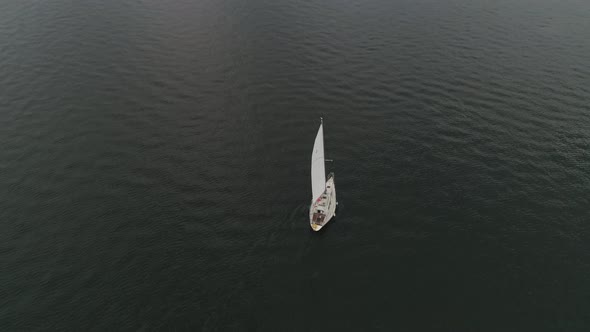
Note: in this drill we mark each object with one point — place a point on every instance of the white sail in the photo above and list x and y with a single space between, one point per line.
318 169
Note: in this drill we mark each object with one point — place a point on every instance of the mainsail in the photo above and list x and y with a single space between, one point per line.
318 169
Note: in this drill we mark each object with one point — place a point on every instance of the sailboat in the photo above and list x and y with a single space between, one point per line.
323 199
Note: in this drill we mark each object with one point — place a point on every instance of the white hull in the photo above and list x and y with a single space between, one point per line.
323 209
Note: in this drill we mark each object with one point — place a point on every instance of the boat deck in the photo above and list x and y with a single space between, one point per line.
323 209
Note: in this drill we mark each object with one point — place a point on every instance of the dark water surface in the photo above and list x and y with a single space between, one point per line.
154 165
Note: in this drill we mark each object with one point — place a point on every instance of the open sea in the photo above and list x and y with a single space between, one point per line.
155 165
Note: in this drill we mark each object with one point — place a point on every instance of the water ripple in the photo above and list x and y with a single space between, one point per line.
155 164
